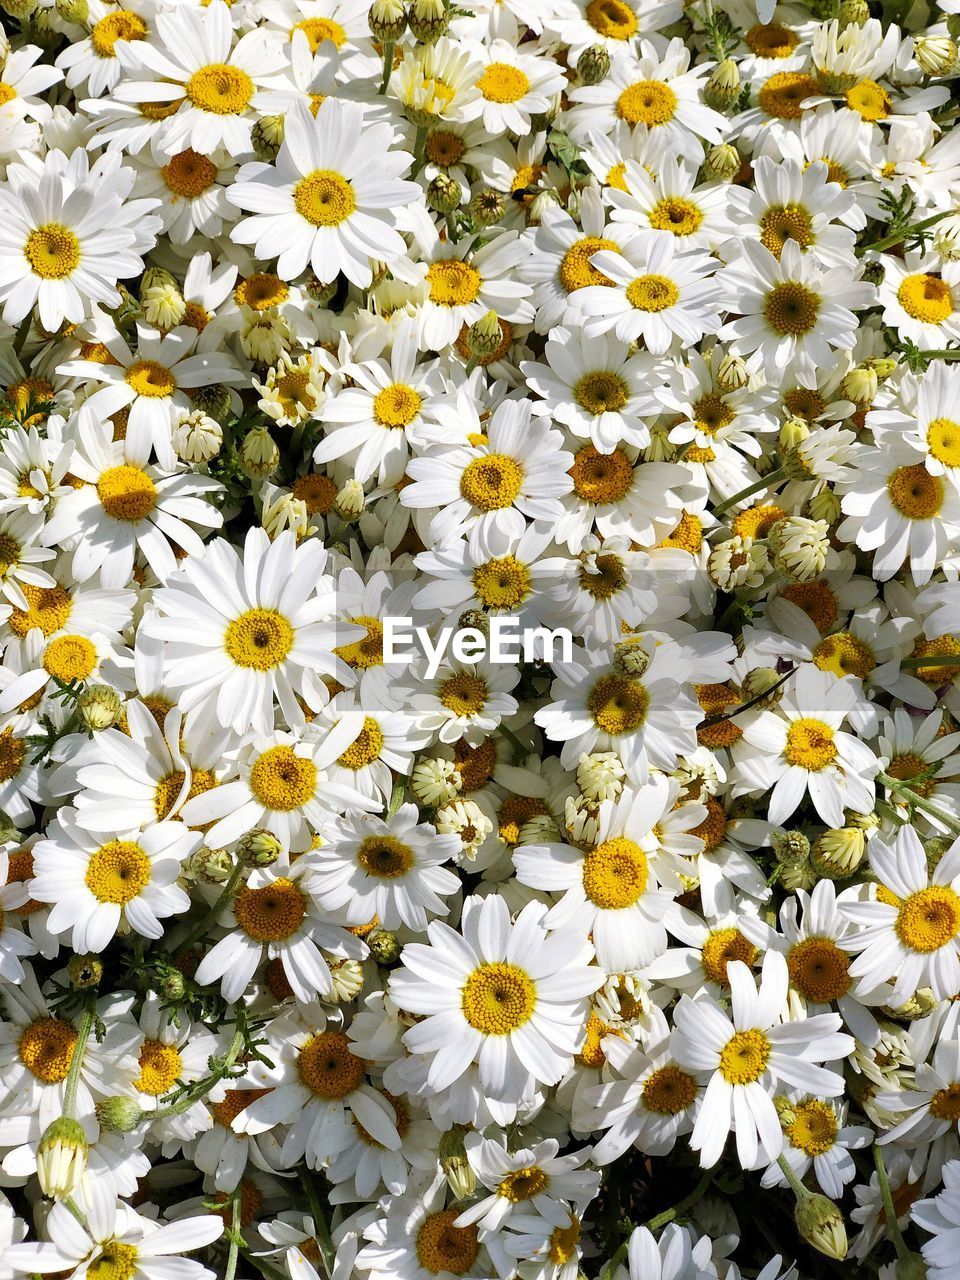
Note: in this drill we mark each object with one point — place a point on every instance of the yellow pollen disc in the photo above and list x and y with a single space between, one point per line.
929 919
464 694
46 1049
601 392
943 441
688 535
453 283
365 748
515 813
791 308
221 89
945 1104
160 1068
502 583
384 857
926 298
788 222
316 491
756 521
907 767
564 1241
396 405
259 638
611 19
615 874
20 871
818 970
327 1067
13 752
116 1261
810 745
324 198
801 402
701 456
49 610
196 317
844 655
121 25
235 1100
711 413
127 492
251 1200
498 998
166 793
444 148
652 293
937 674
591 1053
870 100
442 1247
675 214
10 552
599 478
576 271
722 946
281 780
272 913
262 291
70 658
816 600
783 93
503 83
617 177
189 174
915 493
649 102
618 704
7 93
367 652
523 1184
475 764
668 1091
492 482
714 826
159 110
608 578
319 29
771 40
744 1057
117 872
53 251
814 1131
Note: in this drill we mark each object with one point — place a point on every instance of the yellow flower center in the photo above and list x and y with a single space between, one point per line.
652 293
53 251
70 658
384 857
367 652
929 919
801 402
189 174
591 1052
261 291
491 482
272 913
442 1247
907 767
791 308
744 1057
755 521
444 148
722 946
937 674
945 1104
464 694
926 298
259 638
396 405
649 102
844 655
576 271
668 1091
915 493
317 491
688 535
498 998
159 110
607 578
116 1261
453 283
168 789
611 19
502 583
814 1130
943 441
281 780
711 413
196 317
221 89
618 704
46 1049
319 29
676 214
818 970
787 222
120 25
160 1068
601 392
236 1100
599 478
152 379
771 40
810 745
615 874
127 493
13 752
324 198
503 83
523 1184
816 600
365 748
870 100
117 872
327 1066
714 826
783 93
564 1241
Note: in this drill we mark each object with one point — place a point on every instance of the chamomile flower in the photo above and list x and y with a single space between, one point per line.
920 297
513 87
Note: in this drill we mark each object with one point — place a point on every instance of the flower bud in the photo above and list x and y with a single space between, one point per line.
793 432
873 272
453 1160
475 620
85 972
732 373
738 562
935 55
19 9
435 782
118 1114
387 20
485 335
487 207
282 511
821 1224
74 11
824 506
258 849
860 385
259 454
763 685
800 547
267 138
347 979
214 400
197 437
350 502
62 1157
212 866
853 13
790 847
162 302
722 163
444 193
838 852
593 65
541 202
631 658
722 89
171 985
428 19
99 706
384 946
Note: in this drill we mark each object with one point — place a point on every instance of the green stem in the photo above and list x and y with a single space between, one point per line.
322 1229
222 899
418 146
799 1190
21 335
76 1062
934 659
681 1207
233 1236
202 1087
920 802
888 1208
948 353
75 1209
388 49
897 237
397 796
472 364
765 482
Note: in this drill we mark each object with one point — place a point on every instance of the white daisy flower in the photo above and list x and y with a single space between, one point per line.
513 86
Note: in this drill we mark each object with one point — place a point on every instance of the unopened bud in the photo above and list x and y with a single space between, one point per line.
873 272
882 366
487 207
762 685
384 946
171 985
793 432
838 852
85 972
162 303
267 138
790 847
853 13
347 979
935 55
62 1157
197 437
860 385
428 19
541 202
631 658
19 9
99 706
258 849
722 89
824 505
485 335
732 373
387 20
74 11
214 400
350 502
593 65
259 454
453 1160
444 193
212 866
821 1224
118 1115
474 619
722 163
